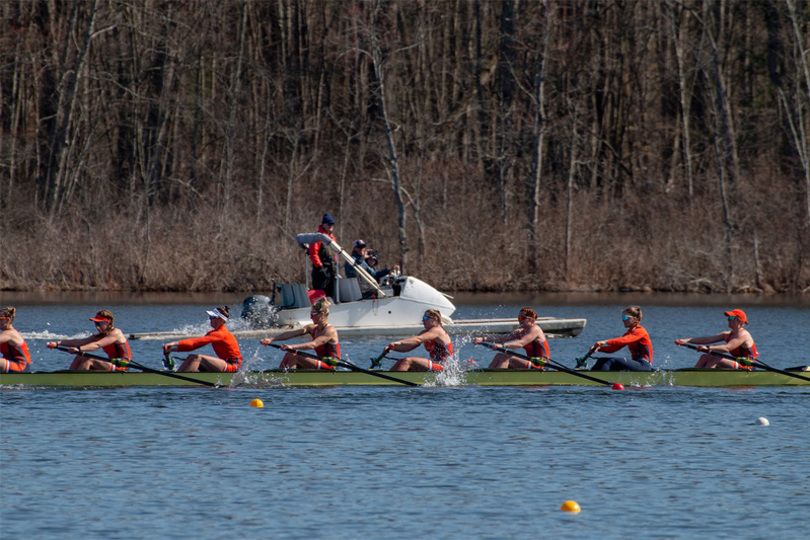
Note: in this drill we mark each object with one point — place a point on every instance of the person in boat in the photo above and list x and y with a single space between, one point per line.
367 261
371 261
736 341
227 359
323 340
324 259
637 341
108 338
436 341
13 349
528 336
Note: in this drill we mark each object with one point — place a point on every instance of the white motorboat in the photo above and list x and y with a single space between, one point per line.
397 307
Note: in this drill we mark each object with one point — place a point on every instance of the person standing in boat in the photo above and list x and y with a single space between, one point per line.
738 342
324 259
324 341
637 341
436 341
227 359
13 349
529 337
108 338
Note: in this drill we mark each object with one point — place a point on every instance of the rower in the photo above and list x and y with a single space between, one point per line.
529 337
228 357
324 341
14 351
636 339
738 342
107 338
436 341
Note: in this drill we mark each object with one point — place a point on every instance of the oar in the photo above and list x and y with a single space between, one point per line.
348 365
754 363
136 365
583 362
555 364
376 363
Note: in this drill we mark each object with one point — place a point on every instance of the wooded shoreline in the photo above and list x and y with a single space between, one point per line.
483 146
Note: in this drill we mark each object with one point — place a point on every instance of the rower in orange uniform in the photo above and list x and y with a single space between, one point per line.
324 341
15 357
637 341
227 359
738 342
108 338
436 341
529 337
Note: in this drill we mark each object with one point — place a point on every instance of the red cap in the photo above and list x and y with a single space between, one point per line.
100 319
740 314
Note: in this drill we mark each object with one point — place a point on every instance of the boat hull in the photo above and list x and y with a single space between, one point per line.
414 298
484 377
552 327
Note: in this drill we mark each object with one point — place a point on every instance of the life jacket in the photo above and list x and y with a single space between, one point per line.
438 351
329 349
118 350
17 355
744 352
536 348
320 253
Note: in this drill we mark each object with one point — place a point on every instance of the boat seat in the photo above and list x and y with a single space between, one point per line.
301 295
287 296
294 295
350 290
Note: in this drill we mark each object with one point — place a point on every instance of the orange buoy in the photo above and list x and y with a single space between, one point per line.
571 506
257 403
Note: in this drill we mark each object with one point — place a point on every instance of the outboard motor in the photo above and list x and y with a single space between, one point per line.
258 311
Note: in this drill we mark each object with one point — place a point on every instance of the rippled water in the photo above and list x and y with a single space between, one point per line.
395 462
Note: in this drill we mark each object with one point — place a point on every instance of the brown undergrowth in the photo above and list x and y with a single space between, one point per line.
662 246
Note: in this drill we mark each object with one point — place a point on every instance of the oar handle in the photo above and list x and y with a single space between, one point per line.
376 363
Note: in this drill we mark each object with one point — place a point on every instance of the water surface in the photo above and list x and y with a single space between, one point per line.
391 462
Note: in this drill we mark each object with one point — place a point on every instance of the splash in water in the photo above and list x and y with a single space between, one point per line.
455 368
245 376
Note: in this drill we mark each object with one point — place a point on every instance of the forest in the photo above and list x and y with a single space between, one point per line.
513 145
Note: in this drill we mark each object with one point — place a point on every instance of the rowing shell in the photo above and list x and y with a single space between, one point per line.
482 377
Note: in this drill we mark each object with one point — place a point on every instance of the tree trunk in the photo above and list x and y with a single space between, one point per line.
57 169
537 202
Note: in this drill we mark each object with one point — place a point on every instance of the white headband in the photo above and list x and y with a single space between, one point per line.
217 313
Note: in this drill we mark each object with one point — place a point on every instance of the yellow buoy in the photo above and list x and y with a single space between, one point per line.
257 403
570 506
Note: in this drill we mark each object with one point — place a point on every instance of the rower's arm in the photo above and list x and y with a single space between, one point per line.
295 332
705 340
525 340
110 339
409 344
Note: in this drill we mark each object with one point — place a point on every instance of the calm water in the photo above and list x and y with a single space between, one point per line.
455 462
